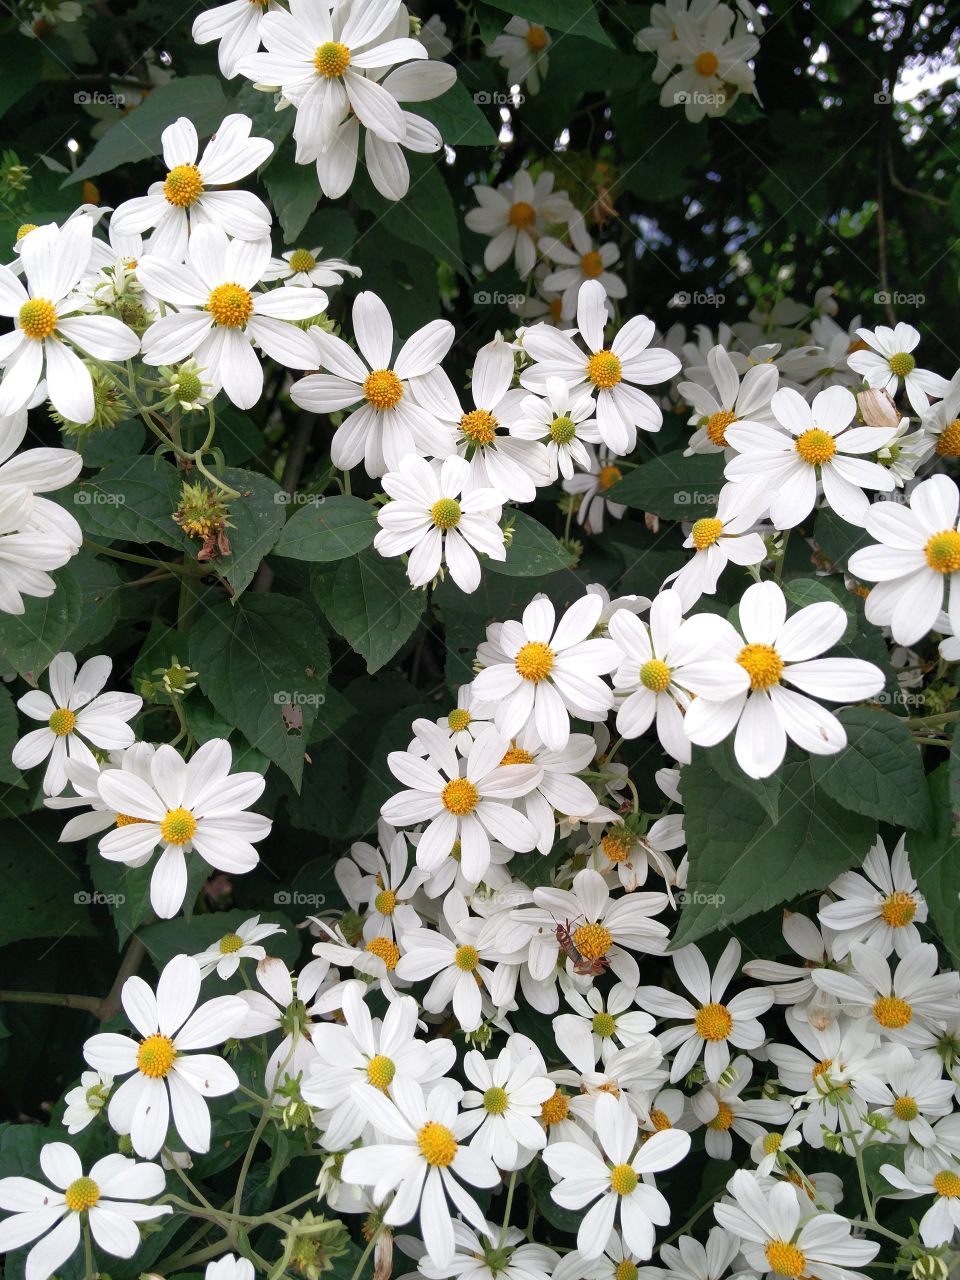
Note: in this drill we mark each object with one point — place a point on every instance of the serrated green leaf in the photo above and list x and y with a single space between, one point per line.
879 773
256 518
672 485
369 601
131 502
326 529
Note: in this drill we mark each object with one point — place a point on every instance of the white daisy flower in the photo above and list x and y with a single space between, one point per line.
305 267
880 906
424 1161
165 1073
40 471
435 519
220 316
618 1171
723 1110
665 666
942 422
599 1024
85 781
284 1004
381 884
225 954
522 48
562 419
504 1106
793 983
714 64
889 358
777 650
184 200
909 1092
47 327
196 807
774 1240
718 540
712 1024
391 423
590 487
632 851
915 560
230 1267
469 807
732 400
548 670
578 262
617 1262
75 712
491 1255
86 1100
940 1223
559 790
236 25
688 1259
468 718
817 442
29 549
515 215
109 1199
614 375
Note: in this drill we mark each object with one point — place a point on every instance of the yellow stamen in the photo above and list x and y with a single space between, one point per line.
948 441
380 1072
624 1179
302 260
816 447
466 958
534 661
437 1144
604 369
229 943
898 909
82 1193
383 389
178 826
906 1108
608 477
495 1100
537 39
604 1025
902 363
331 59
62 722
892 1012
943 551
706 64
655 675
460 797
947 1183
385 902
155 1056
183 186
785 1259
445 513
556 1108
716 426
386 949
713 1022
722 1121
522 215
38 319
517 755
591 264
458 720
479 427
230 305
705 533
592 940
762 664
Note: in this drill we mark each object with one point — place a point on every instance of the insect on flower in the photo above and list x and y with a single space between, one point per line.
581 963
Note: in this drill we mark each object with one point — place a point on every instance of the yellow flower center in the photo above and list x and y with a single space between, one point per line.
943 551
713 1022
655 675
62 722
466 958
385 902
178 826
155 1056
771 1143
821 1068
302 260
38 318
25 230
659 1119
229 943
479 426
892 1011
445 513
902 363
522 215
948 441
331 59
592 940
82 1193
626 1270
604 1025
947 1183
608 477
706 532
437 1144
458 720
556 1108
603 369
722 1121
562 430
617 845
706 64
230 305
386 949
816 447
183 186
517 755
460 796
716 426
534 661
762 664
906 1108
624 1179
495 1100
383 389
591 264
380 1072
785 1259
537 39
898 909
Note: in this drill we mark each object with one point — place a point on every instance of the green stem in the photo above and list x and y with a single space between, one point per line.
88 1252
364 1256
91 1004
153 562
506 1212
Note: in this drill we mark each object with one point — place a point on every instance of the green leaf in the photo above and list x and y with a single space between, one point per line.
672 485
369 601
879 772
837 539
204 723
294 191
21 70
425 217
137 135
328 529
742 861
533 551
263 664
256 518
458 117
131 502
567 17
935 860
44 894
763 791
804 591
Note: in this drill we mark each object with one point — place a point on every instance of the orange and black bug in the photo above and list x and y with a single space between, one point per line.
581 964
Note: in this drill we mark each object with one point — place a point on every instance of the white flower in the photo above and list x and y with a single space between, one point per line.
777 650
522 49
29 549
613 374
435 520
717 541
915 560
889 359
186 807
591 486
547 670
879 906
76 711
600 1025
734 401
940 424
305 267
381 884
47 328
391 423
515 215
85 781
219 317
767 1223
793 982
230 1267
504 1106
183 201
618 1171
908 1091
40 471
714 64
276 1007
225 955
711 1025
631 854
942 1220
575 266
85 1102
688 1259
164 1071
108 1198
425 1161
817 441
667 665
723 1111
236 25
559 790
562 420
